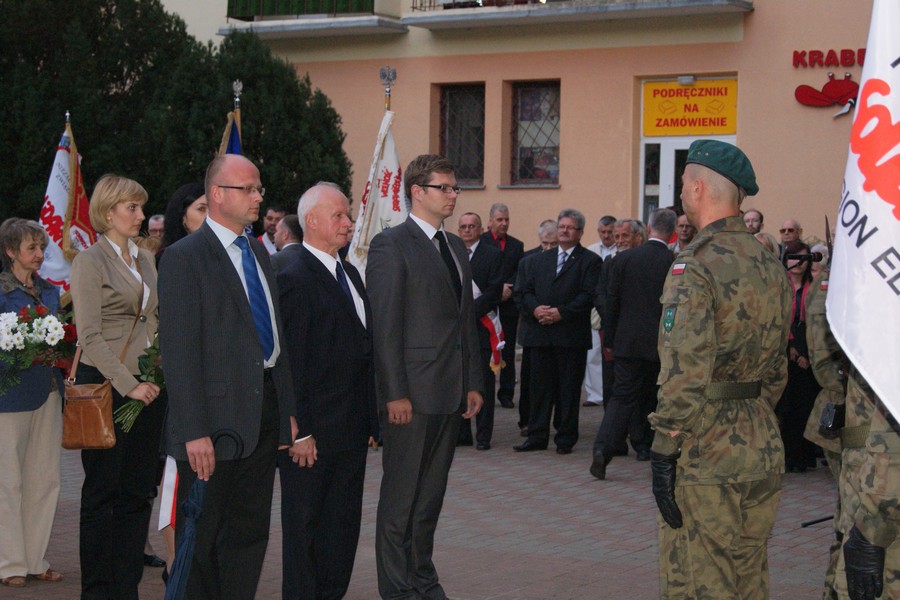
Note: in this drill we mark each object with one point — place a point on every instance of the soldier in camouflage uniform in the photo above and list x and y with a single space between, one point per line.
717 456
870 497
827 362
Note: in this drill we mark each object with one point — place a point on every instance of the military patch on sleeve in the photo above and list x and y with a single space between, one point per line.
669 318
824 285
678 268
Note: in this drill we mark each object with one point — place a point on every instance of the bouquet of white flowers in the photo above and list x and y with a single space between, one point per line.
32 336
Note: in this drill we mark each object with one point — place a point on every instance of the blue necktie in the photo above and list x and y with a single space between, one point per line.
342 280
259 306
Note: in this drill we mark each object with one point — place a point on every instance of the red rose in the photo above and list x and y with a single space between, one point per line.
70 335
41 310
25 314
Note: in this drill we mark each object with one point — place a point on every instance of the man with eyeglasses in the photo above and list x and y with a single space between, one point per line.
555 294
513 250
791 231
427 370
487 285
228 378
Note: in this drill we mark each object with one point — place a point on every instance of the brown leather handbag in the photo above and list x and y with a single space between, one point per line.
88 412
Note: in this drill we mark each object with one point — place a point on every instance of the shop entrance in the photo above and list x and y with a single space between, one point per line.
663 159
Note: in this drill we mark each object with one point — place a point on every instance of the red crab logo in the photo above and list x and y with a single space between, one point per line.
835 91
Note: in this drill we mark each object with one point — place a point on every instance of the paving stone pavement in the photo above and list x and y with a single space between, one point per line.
514 526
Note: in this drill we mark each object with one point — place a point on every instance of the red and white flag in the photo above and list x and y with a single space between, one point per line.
64 215
383 202
864 288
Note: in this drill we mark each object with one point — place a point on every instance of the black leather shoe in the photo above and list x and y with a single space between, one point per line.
507 404
598 467
564 451
529 446
643 455
483 446
152 560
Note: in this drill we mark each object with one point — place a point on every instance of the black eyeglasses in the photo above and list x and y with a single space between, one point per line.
249 189
787 230
443 187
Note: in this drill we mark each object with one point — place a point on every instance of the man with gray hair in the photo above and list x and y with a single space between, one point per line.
156 226
555 294
606 246
630 325
513 249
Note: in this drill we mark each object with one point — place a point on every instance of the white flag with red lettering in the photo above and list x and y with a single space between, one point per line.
383 202
64 215
864 291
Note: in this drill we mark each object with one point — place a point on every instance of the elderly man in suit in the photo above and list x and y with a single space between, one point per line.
227 378
427 372
487 278
327 324
513 250
288 237
630 322
556 293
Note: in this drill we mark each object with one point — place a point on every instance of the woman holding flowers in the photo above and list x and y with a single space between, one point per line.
30 411
115 302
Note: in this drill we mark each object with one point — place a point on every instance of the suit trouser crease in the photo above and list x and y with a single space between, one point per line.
233 531
29 487
416 459
556 377
321 512
634 398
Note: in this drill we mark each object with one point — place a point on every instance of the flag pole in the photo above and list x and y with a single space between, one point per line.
69 251
388 76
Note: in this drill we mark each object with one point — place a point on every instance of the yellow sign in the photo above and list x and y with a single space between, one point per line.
708 107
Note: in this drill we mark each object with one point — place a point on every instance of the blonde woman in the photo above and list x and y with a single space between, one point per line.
114 296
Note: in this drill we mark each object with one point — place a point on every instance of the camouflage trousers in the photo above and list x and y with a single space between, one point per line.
852 464
720 551
835 556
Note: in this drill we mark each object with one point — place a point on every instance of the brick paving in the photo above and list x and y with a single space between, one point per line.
531 526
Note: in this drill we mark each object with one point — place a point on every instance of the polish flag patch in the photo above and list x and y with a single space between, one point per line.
678 269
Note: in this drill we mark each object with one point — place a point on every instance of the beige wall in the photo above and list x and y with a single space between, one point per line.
799 152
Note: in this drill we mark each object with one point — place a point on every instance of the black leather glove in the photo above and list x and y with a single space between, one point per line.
864 563
663 469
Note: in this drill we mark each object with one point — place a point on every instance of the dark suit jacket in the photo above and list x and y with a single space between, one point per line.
572 292
513 251
426 344
331 354
284 257
633 308
487 273
210 350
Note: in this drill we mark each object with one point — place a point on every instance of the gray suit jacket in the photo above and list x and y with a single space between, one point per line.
426 345
211 354
284 257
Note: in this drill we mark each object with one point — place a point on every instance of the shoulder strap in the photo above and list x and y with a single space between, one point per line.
77 358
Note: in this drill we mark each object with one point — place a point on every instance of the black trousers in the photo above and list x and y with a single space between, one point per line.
114 508
321 512
484 420
633 399
509 320
556 377
793 410
233 532
416 459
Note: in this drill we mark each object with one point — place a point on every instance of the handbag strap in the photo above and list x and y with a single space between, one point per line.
77 358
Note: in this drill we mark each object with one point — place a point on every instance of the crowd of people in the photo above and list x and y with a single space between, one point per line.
699 340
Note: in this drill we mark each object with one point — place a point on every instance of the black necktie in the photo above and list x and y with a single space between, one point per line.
451 265
342 280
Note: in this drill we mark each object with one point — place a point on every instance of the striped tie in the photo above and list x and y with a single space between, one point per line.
259 306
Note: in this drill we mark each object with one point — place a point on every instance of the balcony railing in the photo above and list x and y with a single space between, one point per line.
613 7
252 10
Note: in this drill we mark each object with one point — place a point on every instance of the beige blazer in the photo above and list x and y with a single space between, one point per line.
106 297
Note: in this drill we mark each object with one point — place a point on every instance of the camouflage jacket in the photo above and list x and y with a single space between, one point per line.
825 357
873 503
725 323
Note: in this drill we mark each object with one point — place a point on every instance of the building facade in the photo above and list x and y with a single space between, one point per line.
587 103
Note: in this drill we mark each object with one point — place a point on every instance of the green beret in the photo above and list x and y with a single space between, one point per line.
726 160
